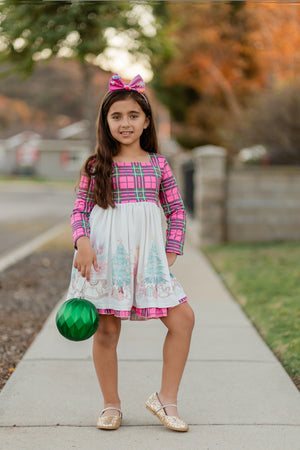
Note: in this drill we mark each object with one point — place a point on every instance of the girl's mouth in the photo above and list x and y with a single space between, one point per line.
126 133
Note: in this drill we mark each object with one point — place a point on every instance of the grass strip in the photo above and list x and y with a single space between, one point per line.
265 280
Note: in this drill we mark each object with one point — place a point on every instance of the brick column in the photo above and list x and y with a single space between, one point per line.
210 194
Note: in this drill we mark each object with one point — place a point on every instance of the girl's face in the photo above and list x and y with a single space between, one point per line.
127 121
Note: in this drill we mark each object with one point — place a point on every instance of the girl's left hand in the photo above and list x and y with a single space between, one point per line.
171 257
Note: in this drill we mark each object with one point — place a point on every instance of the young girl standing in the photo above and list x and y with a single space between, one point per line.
121 263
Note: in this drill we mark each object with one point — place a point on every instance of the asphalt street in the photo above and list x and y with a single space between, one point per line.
29 208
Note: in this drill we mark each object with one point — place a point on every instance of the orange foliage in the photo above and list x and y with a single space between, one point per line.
13 112
233 50
277 39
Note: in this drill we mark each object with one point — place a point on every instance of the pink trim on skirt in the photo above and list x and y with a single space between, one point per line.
140 313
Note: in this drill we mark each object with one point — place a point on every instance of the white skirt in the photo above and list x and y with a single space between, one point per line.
133 271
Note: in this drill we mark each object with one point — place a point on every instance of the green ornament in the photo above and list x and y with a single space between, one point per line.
77 319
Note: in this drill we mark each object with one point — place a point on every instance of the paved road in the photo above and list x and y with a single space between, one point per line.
30 208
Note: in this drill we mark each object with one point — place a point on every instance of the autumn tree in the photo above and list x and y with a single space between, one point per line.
271 117
273 121
33 31
277 40
225 54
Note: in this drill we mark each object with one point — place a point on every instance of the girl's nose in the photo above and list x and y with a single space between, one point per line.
125 121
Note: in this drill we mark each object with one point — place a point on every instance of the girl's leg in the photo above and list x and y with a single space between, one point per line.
105 360
180 323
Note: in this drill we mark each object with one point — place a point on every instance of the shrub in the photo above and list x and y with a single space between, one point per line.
273 120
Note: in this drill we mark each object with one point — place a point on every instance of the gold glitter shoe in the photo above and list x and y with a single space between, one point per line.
109 422
173 422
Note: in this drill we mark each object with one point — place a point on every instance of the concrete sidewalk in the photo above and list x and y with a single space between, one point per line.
234 394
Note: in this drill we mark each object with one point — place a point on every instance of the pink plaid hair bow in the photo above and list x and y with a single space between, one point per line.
137 84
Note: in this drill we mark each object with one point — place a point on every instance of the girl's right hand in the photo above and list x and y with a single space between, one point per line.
85 257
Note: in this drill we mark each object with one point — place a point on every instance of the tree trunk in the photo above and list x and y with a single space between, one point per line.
225 87
89 109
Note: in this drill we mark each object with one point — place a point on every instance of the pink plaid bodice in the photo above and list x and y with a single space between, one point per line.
151 181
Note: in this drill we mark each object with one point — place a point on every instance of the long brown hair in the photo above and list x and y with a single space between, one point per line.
99 164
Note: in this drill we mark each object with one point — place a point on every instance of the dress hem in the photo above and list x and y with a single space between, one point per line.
140 313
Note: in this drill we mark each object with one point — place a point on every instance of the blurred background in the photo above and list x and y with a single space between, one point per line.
221 73
224 81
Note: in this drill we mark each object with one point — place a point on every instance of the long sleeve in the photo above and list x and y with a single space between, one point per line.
83 206
173 207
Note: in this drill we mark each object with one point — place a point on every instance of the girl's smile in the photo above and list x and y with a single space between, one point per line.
127 121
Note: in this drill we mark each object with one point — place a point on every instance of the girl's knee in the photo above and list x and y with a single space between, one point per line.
182 319
108 333
188 318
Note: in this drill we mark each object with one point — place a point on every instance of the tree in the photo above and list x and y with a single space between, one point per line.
226 53
78 30
54 96
277 40
207 76
155 267
121 267
273 121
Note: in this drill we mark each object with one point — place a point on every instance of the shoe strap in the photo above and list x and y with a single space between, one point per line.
165 406
111 407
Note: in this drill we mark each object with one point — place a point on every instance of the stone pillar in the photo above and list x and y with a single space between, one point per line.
176 158
210 193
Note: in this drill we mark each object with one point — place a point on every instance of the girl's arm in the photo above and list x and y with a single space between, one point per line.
174 210
171 258
85 256
83 206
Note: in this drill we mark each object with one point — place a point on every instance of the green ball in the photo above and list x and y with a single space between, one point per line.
77 319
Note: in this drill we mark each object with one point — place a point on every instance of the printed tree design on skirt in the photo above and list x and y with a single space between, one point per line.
155 268
120 267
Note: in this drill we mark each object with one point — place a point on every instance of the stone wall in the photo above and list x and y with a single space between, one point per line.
239 204
263 204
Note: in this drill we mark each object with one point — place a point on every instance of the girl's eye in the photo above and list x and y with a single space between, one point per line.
134 116
116 117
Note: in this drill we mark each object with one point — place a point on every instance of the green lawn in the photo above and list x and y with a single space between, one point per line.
265 280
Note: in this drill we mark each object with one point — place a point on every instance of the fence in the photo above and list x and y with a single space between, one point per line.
247 204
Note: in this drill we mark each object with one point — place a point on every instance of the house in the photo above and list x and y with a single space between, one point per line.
27 153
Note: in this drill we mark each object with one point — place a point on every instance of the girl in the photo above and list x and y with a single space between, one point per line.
120 262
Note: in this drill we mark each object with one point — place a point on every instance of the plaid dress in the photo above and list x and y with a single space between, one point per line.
133 280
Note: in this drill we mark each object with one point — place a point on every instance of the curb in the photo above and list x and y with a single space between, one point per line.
28 248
